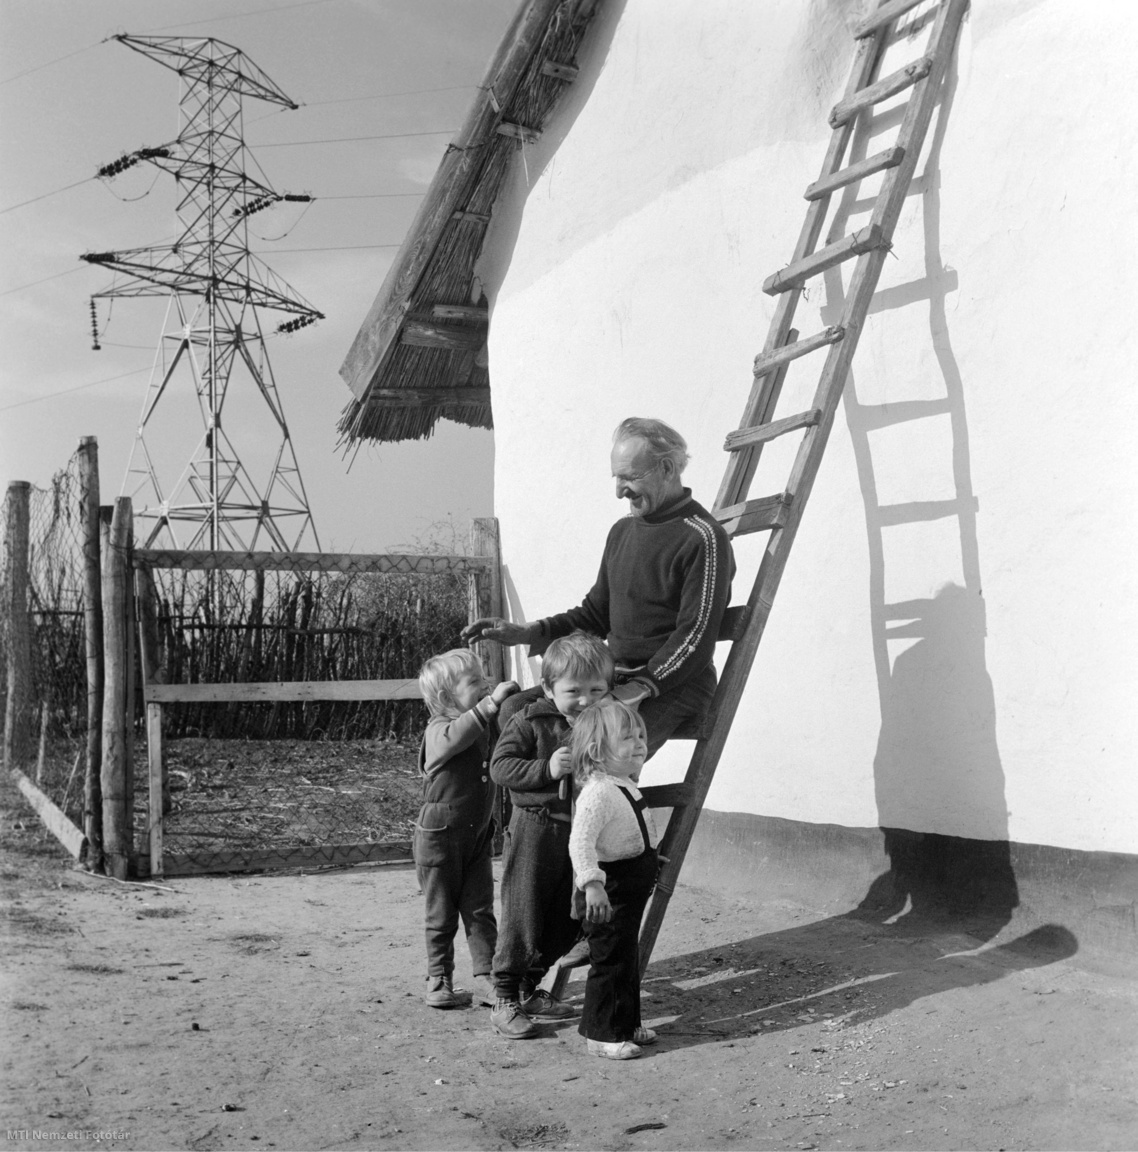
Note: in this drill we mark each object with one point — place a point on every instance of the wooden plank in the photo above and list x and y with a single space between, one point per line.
261 859
796 274
666 795
93 638
485 593
871 416
419 334
268 690
769 361
568 72
766 432
895 82
53 819
920 511
429 397
18 637
890 158
207 561
448 193
156 772
754 515
518 132
884 15
117 846
472 312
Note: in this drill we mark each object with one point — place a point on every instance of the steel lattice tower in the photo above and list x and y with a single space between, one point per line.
216 289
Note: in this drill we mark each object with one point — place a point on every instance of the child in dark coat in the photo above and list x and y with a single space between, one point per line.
453 836
531 759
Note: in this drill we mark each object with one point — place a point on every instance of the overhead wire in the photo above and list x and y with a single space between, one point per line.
77 388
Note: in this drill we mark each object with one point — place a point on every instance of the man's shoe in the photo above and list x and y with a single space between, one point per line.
543 1005
613 1049
644 1036
508 1019
484 993
441 993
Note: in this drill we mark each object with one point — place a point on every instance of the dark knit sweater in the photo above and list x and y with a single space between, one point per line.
664 582
521 756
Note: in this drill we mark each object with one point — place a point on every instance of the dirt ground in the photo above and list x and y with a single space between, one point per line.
284 1011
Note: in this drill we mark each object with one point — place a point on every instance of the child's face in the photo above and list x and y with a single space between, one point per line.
571 695
627 756
469 689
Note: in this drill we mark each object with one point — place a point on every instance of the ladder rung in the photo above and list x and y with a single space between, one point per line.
766 361
754 515
871 416
916 511
890 158
796 274
884 15
667 795
761 433
732 625
896 82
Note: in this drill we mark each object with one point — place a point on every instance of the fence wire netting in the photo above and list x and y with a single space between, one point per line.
55 605
248 783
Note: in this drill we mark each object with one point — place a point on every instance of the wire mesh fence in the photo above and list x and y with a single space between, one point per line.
55 611
247 783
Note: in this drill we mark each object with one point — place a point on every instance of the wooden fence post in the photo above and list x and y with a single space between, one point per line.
153 672
17 717
486 592
117 834
93 623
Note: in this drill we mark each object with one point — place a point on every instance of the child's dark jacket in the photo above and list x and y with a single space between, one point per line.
457 790
521 757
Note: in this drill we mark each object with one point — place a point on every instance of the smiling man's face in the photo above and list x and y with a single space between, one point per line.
647 485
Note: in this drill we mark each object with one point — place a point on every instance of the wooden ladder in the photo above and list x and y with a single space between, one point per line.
781 514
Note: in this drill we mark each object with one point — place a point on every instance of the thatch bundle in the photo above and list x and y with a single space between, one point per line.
447 276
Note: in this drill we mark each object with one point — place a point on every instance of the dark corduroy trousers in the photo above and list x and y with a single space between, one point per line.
612 990
536 926
455 873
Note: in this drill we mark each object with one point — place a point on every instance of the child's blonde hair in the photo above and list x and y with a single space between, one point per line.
595 734
439 675
577 654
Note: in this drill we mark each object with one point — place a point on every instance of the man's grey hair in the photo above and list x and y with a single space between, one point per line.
662 441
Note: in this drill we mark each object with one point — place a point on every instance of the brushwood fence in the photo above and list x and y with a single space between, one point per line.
173 712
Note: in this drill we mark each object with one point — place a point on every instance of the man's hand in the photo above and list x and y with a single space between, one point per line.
598 910
501 630
560 764
506 688
631 693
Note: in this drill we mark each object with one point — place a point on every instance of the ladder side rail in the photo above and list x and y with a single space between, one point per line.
765 390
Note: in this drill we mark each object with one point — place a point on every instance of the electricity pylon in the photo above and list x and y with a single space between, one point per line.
216 289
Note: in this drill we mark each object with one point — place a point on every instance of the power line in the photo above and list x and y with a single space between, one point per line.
57 60
69 272
341 248
239 15
370 196
34 199
77 388
354 139
389 95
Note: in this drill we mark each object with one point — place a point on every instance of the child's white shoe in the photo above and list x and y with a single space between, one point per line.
613 1049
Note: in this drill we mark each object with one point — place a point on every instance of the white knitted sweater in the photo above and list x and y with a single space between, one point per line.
605 827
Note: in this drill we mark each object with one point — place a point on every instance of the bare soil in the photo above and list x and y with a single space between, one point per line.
284 1011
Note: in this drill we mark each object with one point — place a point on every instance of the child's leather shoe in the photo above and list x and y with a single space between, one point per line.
644 1036
441 993
483 992
543 1005
508 1019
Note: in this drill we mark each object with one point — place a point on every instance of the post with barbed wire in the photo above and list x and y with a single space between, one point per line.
17 716
117 832
88 454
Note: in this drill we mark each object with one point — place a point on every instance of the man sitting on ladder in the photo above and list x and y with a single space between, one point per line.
663 585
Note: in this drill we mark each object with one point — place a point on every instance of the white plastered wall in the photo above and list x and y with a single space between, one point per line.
632 287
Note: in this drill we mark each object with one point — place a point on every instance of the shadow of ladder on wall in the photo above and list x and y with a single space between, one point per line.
780 514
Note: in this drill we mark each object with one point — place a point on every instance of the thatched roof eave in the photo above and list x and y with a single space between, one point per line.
421 352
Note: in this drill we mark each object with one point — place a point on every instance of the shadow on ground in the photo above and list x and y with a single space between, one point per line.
847 969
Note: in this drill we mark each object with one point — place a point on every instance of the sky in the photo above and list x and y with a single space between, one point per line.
70 103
